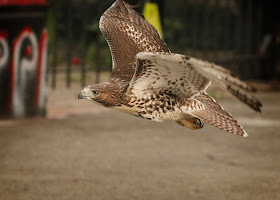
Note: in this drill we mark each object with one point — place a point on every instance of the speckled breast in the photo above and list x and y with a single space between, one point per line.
157 107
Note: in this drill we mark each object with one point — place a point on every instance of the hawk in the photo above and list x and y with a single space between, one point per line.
150 82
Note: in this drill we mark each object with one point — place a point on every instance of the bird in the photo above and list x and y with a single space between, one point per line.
151 82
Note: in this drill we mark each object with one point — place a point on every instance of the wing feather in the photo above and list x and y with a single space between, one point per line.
199 74
165 72
127 34
219 74
206 108
225 80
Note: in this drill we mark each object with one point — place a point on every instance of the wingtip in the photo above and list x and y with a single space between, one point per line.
258 107
245 134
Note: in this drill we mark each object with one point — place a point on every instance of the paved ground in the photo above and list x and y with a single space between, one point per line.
82 151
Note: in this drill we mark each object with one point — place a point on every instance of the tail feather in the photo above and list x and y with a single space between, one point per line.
248 99
219 74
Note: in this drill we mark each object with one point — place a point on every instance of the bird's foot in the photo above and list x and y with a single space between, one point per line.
192 123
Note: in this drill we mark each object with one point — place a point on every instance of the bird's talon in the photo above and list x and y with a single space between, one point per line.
201 124
198 122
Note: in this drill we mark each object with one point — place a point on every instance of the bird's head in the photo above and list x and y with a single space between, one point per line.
106 94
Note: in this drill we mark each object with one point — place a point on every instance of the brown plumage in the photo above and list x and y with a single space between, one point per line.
127 34
149 81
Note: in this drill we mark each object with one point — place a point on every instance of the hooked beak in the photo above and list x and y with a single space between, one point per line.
85 93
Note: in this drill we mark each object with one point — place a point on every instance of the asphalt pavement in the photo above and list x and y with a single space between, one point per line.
83 151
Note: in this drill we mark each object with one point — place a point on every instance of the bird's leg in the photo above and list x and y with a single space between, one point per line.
191 123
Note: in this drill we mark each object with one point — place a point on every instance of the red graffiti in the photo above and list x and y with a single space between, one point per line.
28 66
42 72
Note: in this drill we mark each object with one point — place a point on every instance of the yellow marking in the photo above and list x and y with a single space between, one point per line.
152 15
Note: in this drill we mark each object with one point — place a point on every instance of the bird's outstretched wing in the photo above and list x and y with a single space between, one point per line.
205 107
186 76
167 73
127 34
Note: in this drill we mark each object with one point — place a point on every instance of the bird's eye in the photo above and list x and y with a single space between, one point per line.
95 92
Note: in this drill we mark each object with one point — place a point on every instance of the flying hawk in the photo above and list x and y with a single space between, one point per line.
150 82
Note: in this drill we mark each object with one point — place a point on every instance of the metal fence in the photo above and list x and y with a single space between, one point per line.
228 32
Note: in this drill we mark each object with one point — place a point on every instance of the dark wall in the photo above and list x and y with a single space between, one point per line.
23 68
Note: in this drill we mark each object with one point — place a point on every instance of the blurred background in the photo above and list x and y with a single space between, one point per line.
241 34
53 146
